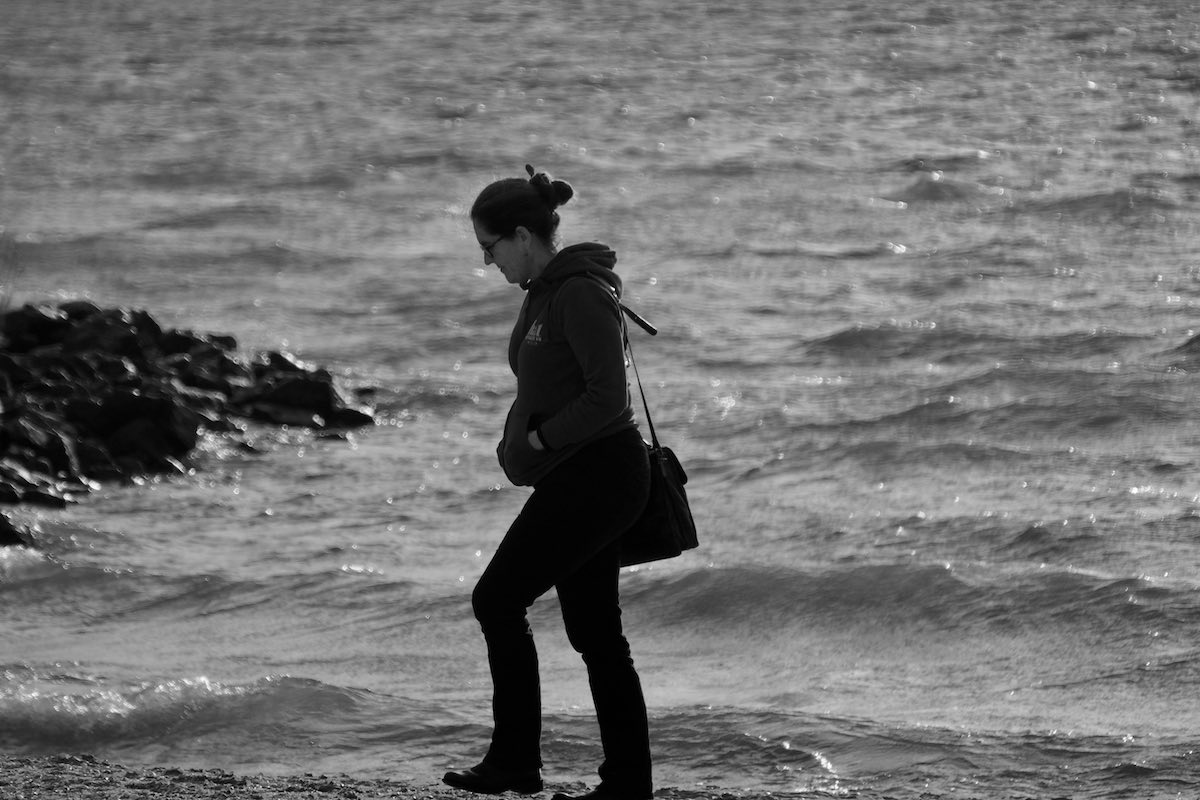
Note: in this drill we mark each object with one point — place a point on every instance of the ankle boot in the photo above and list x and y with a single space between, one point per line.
486 779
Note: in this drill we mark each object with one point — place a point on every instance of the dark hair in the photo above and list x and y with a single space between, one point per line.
511 203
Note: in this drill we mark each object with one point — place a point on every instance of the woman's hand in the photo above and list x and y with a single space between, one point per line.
535 442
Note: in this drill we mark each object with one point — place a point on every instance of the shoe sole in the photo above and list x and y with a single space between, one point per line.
466 786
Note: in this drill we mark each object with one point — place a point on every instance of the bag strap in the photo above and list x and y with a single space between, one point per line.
650 329
643 324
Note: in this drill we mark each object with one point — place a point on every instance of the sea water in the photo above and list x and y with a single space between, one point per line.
925 276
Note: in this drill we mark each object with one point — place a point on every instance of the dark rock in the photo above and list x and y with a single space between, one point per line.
89 394
13 534
110 332
112 369
174 342
79 309
46 498
96 462
301 391
347 417
16 475
87 413
30 326
223 341
184 341
146 326
273 361
54 443
14 371
285 415
55 392
198 398
142 440
208 367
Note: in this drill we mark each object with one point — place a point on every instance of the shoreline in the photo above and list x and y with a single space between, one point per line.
85 777
70 777
82 776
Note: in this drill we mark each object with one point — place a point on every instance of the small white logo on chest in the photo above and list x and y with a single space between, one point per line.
535 333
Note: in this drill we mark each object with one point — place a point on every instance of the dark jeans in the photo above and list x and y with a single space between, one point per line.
566 537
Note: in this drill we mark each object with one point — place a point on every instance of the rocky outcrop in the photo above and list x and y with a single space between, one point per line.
90 394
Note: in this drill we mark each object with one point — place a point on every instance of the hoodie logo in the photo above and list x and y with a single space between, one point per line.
535 334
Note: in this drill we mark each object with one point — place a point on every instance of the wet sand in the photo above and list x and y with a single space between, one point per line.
83 777
71 777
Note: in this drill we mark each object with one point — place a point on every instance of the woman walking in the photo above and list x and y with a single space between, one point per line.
571 435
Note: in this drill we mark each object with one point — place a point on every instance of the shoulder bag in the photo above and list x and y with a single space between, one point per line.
666 528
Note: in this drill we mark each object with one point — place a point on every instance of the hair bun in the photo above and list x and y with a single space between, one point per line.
553 193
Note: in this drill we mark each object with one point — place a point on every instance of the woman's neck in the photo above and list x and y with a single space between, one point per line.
541 255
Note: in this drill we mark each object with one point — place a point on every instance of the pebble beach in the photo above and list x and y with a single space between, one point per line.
82 777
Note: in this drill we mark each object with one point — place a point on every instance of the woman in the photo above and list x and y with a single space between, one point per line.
571 435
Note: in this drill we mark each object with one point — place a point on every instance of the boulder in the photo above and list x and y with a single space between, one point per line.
92 394
13 534
31 326
299 391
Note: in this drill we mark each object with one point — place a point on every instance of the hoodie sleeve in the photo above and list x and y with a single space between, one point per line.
591 325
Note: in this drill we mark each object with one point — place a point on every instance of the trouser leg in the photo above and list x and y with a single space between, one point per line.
516 696
568 528
516 576
592 615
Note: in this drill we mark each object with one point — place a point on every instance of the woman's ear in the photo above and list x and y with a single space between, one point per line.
523 235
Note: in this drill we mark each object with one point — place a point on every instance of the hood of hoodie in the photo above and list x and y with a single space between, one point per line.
589 258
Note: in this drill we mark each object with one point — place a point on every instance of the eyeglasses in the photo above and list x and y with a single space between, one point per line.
487 248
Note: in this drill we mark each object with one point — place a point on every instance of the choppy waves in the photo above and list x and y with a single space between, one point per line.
975 598
191 720
72 710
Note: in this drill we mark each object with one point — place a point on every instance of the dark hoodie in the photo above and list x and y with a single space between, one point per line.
567 351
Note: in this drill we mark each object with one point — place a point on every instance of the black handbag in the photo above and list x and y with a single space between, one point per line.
666 528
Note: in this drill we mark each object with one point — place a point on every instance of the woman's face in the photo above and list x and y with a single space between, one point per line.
506 252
